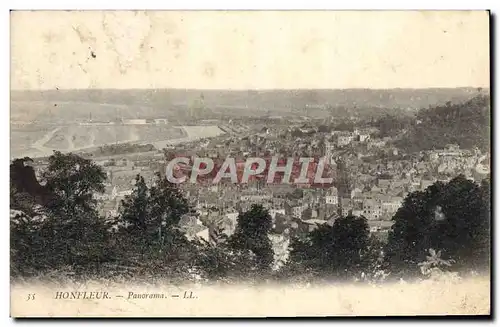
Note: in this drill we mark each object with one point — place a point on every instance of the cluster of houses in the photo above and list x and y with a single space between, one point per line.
378 178
343 138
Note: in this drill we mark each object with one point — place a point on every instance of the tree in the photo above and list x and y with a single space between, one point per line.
67 230
351 239
152 212
251 234
466 124
22 201
167 202
78 233
73 181
25 190
390 125
453 217
333 251
483 243
149 240
25 251
223 263
372 261
301 266
134 207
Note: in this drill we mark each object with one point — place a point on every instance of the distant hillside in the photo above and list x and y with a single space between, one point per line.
466 124
106 104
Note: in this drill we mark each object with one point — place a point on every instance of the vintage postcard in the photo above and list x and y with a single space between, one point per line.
250 163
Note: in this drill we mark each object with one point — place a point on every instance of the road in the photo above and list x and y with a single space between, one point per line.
39 145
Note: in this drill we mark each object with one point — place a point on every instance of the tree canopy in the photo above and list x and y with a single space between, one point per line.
453 217
252 233
335 251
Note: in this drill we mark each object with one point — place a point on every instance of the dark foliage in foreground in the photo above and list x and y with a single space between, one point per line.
64 233
452 217
332 251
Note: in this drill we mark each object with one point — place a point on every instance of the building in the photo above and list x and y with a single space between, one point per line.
384 183
356 192
332 199
329 149
297 211
160 121
372 209
274 212
376 144
347 206
344 139
203 234
332 196
361 136
255 197
357 212
390 205
135 121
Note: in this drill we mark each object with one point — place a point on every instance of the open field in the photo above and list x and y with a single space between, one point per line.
34 141
42 140
79 137
22 139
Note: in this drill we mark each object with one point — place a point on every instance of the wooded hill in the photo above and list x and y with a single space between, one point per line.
466 124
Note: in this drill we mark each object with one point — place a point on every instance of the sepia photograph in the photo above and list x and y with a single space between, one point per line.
250 163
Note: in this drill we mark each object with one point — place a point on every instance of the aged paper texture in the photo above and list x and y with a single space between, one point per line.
250 163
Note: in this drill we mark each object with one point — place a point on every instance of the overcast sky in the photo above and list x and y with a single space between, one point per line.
249 50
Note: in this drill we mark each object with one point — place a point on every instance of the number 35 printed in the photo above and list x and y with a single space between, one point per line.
31 297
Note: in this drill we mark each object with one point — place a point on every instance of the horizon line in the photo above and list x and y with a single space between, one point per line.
257 90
